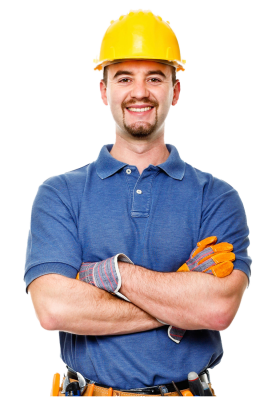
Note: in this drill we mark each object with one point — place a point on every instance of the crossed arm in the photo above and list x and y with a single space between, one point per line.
186 300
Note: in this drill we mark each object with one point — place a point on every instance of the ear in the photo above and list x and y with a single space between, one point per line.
176 92
103 89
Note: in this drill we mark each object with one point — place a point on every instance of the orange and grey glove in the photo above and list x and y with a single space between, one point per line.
210 258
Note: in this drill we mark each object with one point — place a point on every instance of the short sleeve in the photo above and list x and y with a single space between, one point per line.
53 244
224 216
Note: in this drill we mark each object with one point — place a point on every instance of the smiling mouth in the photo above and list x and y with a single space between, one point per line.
139 109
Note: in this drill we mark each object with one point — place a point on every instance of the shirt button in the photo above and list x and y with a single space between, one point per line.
139 191
128 171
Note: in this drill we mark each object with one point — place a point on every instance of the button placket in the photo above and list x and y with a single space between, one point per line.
142 196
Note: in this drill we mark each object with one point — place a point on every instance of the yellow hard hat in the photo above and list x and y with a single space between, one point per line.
140 35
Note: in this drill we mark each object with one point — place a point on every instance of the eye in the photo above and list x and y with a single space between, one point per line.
124 80
154 80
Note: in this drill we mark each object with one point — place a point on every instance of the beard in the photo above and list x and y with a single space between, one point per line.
140 129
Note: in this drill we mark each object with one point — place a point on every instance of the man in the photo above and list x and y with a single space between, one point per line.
137 212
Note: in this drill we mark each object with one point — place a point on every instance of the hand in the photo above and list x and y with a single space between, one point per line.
214 259
208 257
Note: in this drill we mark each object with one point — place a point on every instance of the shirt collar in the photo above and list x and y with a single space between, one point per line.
106 165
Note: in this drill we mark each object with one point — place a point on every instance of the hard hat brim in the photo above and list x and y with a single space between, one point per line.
178 65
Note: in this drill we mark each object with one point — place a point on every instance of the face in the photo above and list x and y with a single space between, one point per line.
140 94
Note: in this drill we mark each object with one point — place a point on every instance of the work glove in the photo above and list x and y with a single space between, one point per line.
104 274
210 258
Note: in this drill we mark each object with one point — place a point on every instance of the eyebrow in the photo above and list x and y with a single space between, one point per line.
156 72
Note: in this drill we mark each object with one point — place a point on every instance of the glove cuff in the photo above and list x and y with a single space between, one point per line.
120 257
164 323
105 274
176 334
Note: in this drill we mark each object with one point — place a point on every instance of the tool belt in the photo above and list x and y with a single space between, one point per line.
169 389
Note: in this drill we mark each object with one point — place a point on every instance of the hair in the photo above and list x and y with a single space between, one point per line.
173 75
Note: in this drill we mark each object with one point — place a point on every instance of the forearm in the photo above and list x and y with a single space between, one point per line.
188 300
73 306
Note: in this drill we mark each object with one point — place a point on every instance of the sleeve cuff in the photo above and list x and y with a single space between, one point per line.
49 268
242 266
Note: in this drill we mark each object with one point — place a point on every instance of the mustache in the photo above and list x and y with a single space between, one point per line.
126 104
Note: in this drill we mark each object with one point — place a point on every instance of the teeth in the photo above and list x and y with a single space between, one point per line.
139 109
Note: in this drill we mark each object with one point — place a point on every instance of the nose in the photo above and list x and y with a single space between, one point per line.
139 89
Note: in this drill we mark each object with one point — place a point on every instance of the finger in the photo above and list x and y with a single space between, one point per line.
221 270
203 244
206 242
220 247
218 258
183 268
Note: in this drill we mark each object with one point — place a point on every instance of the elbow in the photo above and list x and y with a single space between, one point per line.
224 316
46 316
222 322
48 321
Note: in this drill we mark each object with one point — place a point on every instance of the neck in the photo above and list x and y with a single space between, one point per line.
141 154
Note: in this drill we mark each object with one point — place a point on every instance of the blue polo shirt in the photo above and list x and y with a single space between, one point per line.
156 219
